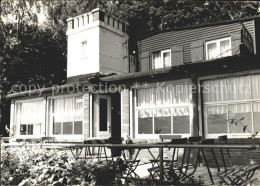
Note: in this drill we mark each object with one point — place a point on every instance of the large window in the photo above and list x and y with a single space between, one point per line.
218 48
163 110
161 59
67 115
232 98
30 116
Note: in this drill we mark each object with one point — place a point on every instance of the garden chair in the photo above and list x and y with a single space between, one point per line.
234 175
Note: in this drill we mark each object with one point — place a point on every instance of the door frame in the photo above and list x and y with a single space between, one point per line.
98 133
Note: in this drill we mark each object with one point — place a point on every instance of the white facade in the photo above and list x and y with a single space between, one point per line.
96 46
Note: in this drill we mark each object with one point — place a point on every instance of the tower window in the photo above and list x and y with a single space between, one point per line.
84 49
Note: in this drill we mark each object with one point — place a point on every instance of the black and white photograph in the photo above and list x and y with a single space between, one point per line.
129 92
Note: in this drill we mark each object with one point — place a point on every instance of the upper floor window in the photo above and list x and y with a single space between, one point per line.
161 59
218 48
84 49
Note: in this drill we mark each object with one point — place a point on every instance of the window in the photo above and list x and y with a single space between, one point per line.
84 49
218 48
30 117
163 110
67 115
234 97
161 59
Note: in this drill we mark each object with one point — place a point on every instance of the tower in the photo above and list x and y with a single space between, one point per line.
97 43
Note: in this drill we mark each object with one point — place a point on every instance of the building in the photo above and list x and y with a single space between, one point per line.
187 81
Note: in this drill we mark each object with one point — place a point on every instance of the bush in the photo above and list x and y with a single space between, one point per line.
36 166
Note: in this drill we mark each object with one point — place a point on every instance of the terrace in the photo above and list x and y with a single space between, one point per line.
179 161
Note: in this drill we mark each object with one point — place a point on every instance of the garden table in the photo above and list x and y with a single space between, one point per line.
200 147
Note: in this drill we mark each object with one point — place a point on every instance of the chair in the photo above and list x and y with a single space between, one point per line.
90 151
234 175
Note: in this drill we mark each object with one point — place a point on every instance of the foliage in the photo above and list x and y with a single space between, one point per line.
36 166
236 122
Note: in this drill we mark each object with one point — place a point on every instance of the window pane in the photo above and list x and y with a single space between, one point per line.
256 86
78 127
23 130
30 130
145 122
224 48
256 107
57 128
215 90
103 114
212 50
238 111
157 60
162 121
32 112
145 125
181 120
181 124
67 128
239 88
37 129
216 119
167 59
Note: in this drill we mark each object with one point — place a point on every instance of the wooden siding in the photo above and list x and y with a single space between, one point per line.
185 37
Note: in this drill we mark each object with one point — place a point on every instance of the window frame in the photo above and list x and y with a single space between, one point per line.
217 41
227 103
161 52
156 136
17 122
51 116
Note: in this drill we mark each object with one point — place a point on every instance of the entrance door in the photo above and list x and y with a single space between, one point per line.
103 116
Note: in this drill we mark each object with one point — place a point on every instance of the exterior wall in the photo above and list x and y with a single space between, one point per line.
185 37
107 47
125 113
113 50
76 63
86 116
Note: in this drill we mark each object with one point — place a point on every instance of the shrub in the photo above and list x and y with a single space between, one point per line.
36 166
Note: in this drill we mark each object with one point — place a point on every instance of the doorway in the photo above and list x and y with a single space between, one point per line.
102 119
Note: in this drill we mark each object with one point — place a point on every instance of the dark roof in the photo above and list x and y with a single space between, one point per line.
191 68
201 25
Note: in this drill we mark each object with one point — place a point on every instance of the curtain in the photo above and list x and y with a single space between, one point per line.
163 96
224 48
218 109
239 108
32 112
167 59
239 88
78 108
212 50
215 90
256 86
68 109
180 111
157 62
